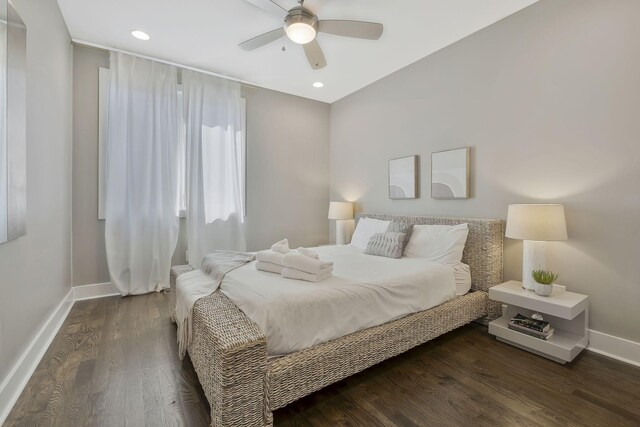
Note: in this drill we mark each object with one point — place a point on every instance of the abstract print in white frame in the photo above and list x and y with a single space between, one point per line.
403 178
450 174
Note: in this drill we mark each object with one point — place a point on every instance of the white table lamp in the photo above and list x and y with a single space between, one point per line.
535 224
342 212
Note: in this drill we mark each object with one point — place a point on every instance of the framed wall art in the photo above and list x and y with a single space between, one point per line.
450 174
403 178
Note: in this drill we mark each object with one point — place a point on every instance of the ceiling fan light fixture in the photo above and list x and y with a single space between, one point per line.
301 26
301 33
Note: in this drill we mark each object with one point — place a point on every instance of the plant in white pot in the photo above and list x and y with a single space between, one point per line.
544 282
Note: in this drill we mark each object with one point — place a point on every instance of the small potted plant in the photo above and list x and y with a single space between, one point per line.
544 282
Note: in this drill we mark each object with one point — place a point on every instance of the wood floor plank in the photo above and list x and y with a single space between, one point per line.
106 314
629 413
465 399
75 409
556 395
114 362
532 413
500 385
517 380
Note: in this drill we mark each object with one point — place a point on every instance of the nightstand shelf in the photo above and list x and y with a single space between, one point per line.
566 311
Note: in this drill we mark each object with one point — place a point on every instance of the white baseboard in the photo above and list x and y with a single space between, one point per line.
614 347
21 372
99 290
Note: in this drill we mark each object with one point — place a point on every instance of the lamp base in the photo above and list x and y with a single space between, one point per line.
344 231
534 257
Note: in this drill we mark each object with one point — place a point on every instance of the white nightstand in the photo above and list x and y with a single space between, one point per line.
568 313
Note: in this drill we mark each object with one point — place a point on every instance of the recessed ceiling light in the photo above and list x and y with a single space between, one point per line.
140 35
318 84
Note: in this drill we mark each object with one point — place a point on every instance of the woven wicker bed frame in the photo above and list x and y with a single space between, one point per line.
229 352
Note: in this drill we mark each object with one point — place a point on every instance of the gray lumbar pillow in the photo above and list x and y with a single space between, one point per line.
389 245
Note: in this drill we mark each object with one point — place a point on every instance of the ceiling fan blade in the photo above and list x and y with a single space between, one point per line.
357 29
262 39
269 6
314 54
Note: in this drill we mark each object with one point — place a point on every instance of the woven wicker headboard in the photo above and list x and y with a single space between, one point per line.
483 251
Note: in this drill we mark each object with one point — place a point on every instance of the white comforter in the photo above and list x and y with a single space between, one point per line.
364 291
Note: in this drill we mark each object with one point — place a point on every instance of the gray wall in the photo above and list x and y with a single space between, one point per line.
548 100
287 150
35 270
89 257
287 169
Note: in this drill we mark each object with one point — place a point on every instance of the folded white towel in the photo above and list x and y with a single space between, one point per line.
304 263
270 256
268 266
282 246
292 273
309 252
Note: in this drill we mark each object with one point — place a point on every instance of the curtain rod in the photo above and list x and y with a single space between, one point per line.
245 84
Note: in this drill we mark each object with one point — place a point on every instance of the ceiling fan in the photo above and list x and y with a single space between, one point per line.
302 27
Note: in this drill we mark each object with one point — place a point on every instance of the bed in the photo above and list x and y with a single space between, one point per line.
244 383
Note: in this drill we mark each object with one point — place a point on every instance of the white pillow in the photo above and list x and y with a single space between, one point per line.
462 276
366 228
437 243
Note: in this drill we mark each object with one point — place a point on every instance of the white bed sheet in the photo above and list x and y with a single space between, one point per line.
364 291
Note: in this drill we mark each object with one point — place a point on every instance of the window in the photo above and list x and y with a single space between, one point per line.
103 109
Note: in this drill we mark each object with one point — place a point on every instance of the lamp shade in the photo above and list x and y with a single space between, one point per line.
540 222
340 210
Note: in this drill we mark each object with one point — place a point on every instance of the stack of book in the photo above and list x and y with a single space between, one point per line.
535 328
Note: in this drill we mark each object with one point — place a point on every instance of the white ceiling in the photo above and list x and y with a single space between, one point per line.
206 33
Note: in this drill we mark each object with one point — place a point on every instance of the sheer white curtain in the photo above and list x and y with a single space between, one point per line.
213 121
141 227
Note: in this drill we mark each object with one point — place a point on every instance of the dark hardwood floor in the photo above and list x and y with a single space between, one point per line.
114 363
